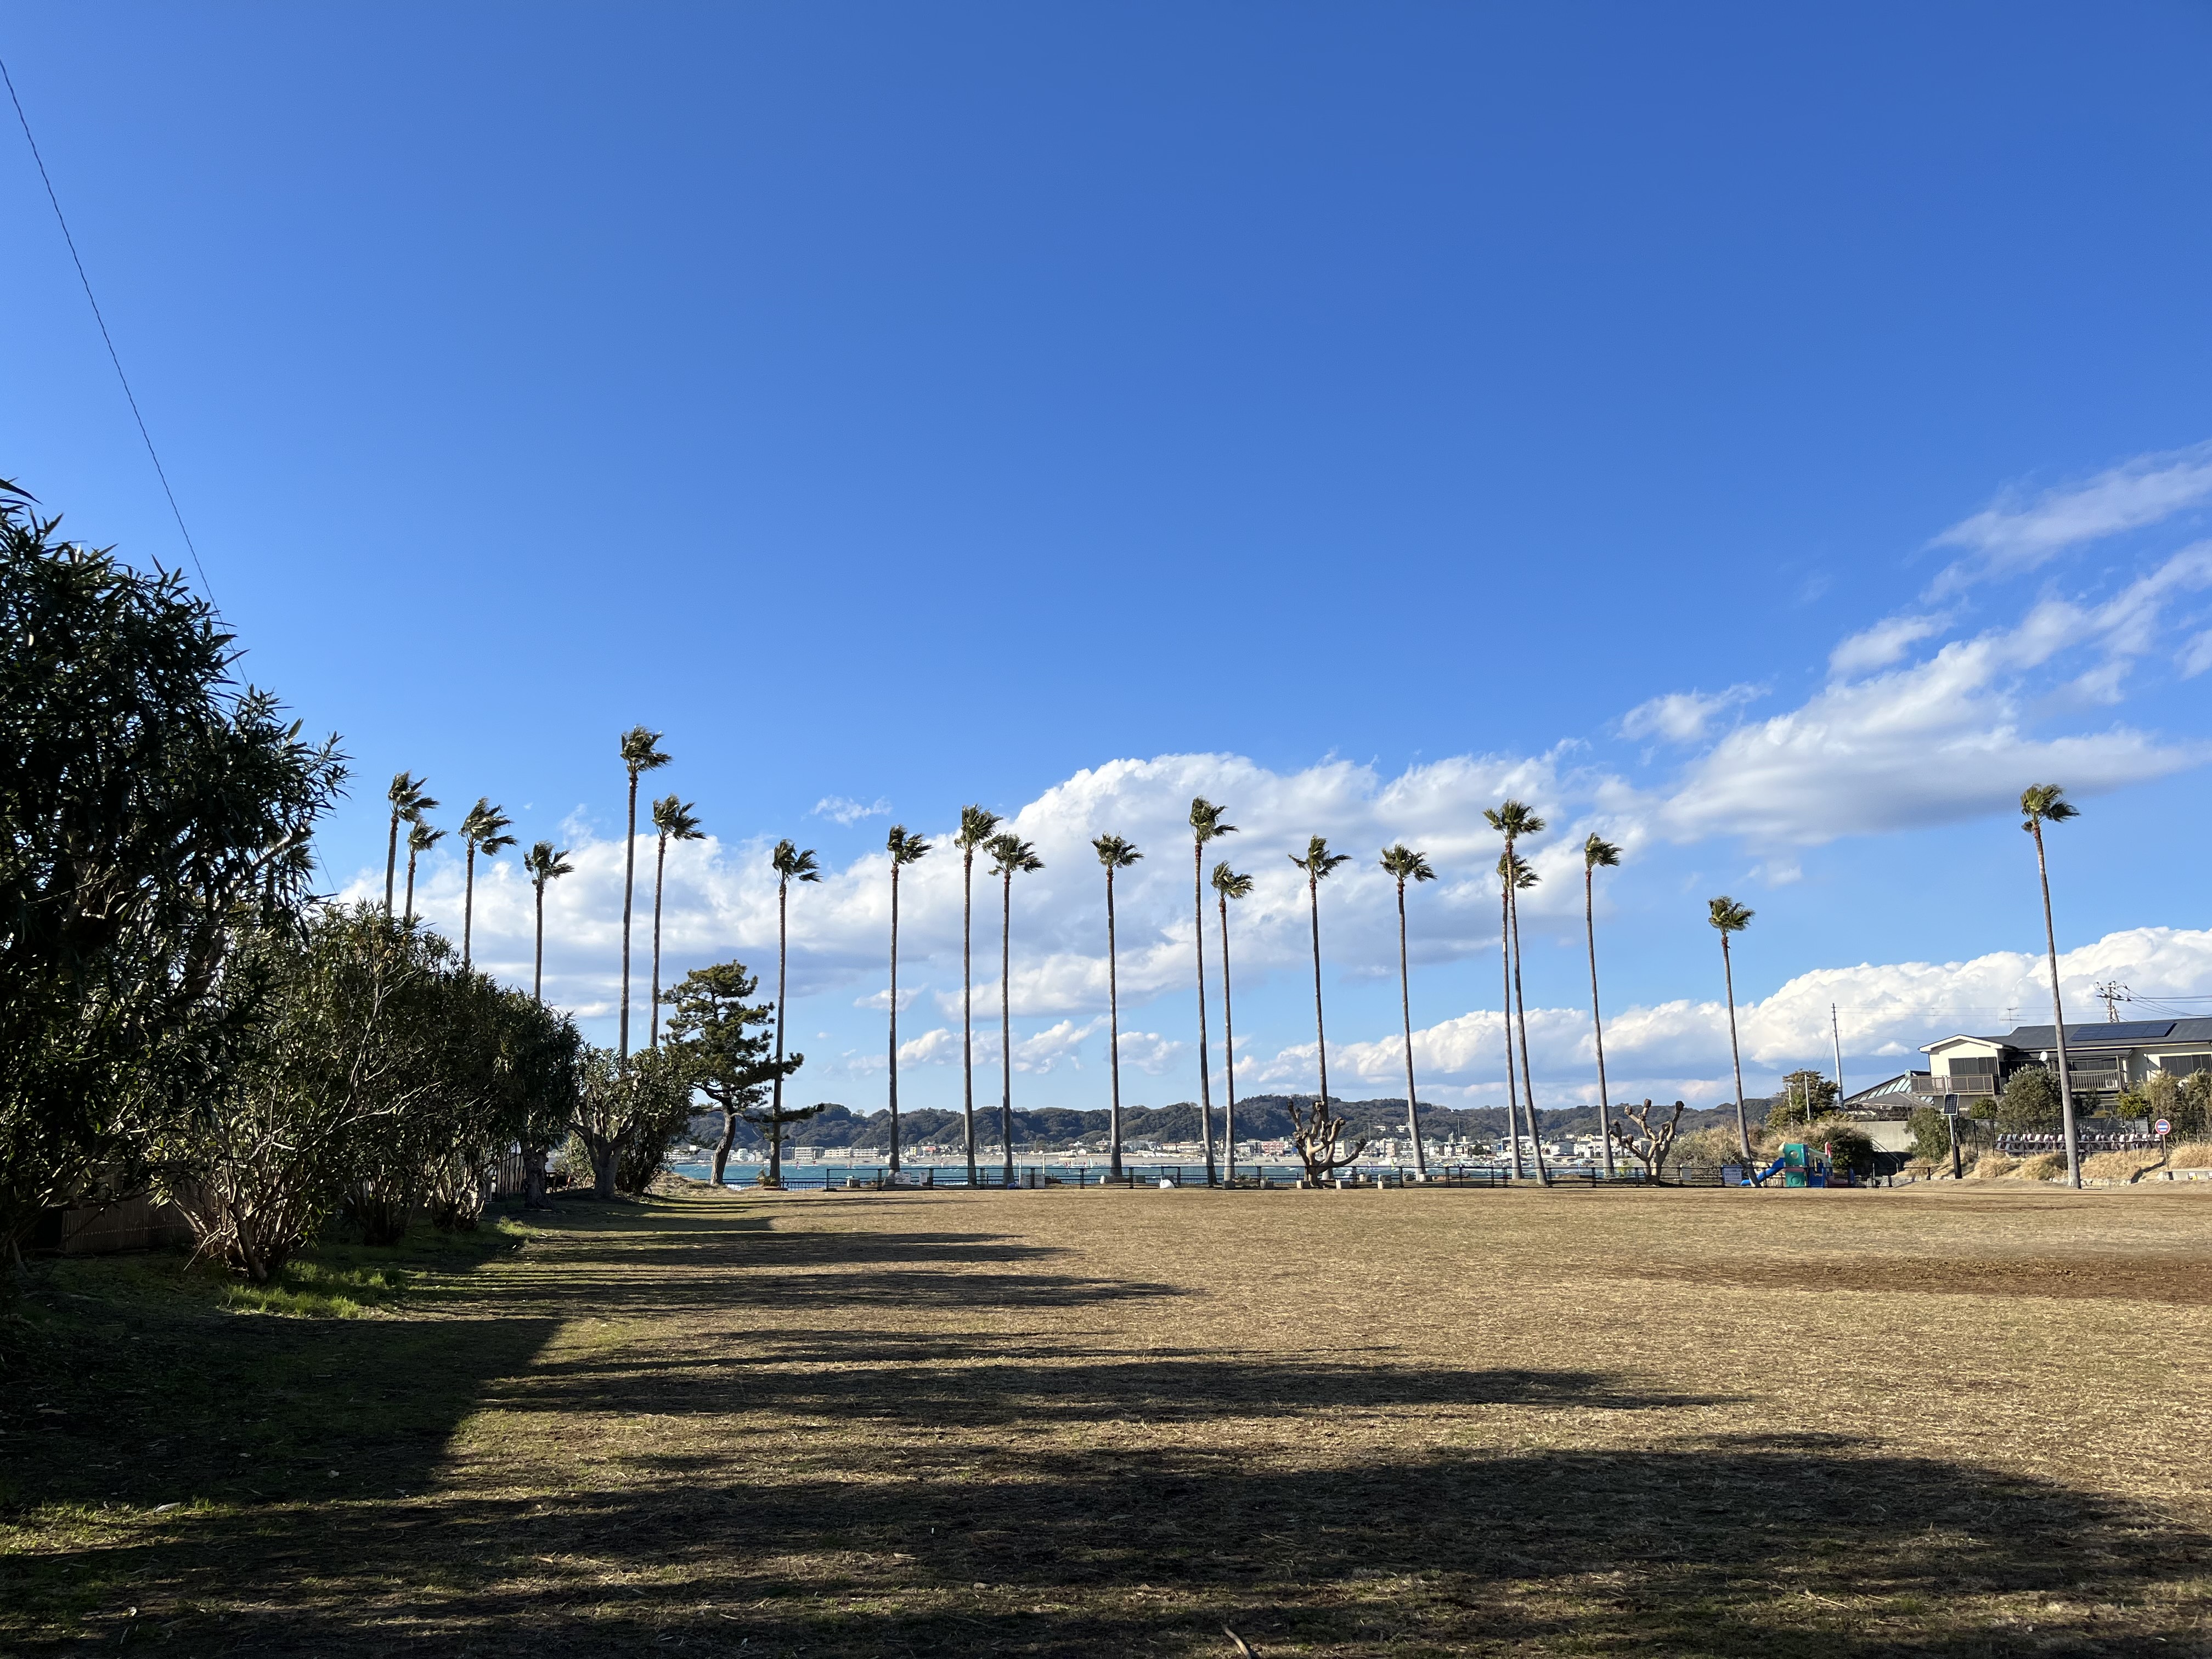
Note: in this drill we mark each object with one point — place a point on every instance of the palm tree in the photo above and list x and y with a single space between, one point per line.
1729 917
640 752
421 838
904 849
676 820
1514 820
977 827
790 864
1010 853
407 799
544 865
1597 855
485 830
1317 864
1206 825
1513 875
1229 885
1505 1003
1116 855
2042 804
1403 864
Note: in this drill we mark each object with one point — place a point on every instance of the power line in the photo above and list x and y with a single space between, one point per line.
160 471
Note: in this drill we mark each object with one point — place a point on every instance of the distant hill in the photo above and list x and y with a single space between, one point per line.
1260 1117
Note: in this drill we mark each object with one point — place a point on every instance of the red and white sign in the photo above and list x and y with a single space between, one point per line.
2162 1127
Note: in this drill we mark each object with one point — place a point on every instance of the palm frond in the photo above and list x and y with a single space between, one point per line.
676 819
406 793
1513 819
1010 853
792 863
486 827
976 825
1725 914
1115 853
2045 803
640 751
423 836
1205 820
1229 883
1318 861
1524 873
1403 861
545 864
904 846
1599 853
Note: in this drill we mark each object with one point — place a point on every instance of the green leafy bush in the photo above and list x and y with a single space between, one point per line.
1848 1146
1931 1134
2029 1105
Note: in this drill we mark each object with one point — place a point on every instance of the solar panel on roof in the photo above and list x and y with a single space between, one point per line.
2126 1030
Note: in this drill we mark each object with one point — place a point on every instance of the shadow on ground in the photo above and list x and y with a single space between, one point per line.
1007 1534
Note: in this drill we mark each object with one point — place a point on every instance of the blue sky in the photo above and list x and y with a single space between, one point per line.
1005 405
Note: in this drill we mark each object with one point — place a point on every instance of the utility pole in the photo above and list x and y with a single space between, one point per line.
1836 1035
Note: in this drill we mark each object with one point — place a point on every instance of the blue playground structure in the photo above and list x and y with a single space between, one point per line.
1800 1166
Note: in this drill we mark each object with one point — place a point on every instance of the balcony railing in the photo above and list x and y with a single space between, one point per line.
1965 1083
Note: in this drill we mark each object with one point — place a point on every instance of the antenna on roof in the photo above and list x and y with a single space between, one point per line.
2112 993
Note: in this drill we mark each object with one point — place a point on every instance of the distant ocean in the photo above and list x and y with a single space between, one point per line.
942 1173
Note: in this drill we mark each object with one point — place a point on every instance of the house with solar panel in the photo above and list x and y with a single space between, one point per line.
2102 1060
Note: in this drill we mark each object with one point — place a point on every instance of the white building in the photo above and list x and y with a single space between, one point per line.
2101 1061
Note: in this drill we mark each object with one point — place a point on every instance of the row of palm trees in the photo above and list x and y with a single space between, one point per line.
979 832
485 830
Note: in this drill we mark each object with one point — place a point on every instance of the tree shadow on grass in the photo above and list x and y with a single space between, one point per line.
1747 1547
984 1382
949 1497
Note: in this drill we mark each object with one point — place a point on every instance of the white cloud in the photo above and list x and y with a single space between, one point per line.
2197 655
1940 740
1684 716
2014 533
840 810
1678 1050
1882 644
1150 1052
1944 739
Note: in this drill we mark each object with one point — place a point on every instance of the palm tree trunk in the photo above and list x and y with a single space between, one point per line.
1198 940
1406 1009
410 906
776 1087
2058 1022
968 1003
538 960
468 906
391 861
1598 1026
659 868
1228 1049
1006 1030
1113 1037
629 882
1505 978
1528 1081
1321 1030
894 1051
1735 1054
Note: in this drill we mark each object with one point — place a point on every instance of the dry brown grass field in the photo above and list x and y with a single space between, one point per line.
1952 1422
